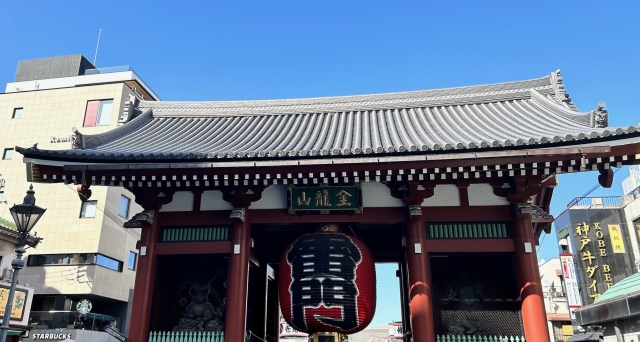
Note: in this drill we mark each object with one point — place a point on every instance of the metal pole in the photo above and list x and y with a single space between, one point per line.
17 264
97 45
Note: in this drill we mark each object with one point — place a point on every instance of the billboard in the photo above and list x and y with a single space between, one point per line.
570 280
21 307
601 245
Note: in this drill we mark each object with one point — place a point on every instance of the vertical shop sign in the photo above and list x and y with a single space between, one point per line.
615 235
570 280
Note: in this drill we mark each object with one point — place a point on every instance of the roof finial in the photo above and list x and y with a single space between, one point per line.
600 116
558 87
76 139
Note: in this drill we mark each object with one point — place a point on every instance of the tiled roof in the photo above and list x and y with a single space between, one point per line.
536 113
626 286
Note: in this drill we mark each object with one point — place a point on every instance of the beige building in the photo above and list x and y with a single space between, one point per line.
85 254
555 300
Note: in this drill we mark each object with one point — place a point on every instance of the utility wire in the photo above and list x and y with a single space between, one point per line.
594 188
137 237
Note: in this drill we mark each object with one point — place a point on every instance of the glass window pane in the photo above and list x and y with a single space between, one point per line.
1 196
8 154
17 113
91 114
108 262
88 209
132 261
123 209
104 112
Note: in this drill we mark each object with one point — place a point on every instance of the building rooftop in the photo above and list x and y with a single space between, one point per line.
529 114
73 71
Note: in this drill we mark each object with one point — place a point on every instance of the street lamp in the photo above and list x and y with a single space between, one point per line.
26 215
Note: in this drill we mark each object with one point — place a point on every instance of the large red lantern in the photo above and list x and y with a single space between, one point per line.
327 283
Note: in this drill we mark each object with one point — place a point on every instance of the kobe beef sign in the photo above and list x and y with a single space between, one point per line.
325 199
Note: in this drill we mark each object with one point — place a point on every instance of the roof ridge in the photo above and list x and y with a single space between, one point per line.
85 141
462 90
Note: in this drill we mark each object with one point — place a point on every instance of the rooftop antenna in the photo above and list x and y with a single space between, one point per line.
97 45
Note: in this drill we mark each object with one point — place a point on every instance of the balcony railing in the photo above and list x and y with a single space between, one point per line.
72 320
107 70
186 336
608 201
474 338
635 192
554 291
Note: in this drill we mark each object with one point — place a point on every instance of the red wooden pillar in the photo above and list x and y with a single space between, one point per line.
145 276
419 278
235 326
534 316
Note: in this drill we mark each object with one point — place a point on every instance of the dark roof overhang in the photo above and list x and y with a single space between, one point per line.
613 309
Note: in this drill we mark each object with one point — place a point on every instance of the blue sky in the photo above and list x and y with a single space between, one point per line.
285 49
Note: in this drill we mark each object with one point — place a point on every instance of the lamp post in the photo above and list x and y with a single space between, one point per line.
26 215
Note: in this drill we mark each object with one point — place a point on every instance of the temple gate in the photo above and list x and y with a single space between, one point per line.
453 185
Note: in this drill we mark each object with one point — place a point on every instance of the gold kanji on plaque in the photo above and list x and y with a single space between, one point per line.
343 200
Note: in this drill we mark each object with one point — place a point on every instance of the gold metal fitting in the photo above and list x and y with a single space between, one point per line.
330 227
328 337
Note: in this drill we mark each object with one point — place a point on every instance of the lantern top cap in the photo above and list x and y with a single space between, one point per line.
330 227
30 198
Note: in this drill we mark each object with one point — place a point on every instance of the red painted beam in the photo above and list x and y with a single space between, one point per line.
172 248
470 245
457 214
191 218
370 215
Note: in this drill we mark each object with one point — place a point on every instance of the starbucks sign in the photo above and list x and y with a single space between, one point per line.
84 306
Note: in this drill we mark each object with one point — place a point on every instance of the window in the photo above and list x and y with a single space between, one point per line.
107 262
76 259
61 259
17 113
1 196
123 209
98 113
88 209
8 154
132 260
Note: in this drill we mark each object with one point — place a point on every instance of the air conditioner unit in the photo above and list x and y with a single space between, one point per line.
7 274
596 201
558 294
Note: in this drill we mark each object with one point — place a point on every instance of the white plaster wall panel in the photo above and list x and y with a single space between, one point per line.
376 194
182 201
212 200
482 195
444 195
273 197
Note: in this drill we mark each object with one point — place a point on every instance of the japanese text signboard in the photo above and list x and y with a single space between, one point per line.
570 281
19 302
617 244
598 237
325 199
